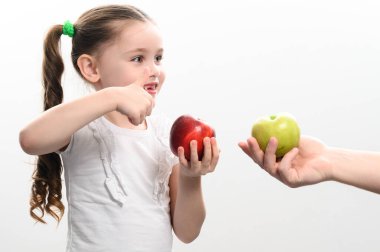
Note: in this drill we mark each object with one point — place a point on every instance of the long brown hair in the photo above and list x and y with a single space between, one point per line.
94 28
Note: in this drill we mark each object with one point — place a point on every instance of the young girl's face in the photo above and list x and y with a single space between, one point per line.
139 48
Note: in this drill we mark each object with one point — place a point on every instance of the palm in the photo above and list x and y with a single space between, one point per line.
303 166
309 166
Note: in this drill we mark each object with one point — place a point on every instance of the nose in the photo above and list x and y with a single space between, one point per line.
154 70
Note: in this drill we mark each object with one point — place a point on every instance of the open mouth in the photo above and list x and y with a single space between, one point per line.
151 88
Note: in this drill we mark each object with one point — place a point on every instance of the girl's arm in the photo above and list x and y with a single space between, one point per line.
187 206
53 129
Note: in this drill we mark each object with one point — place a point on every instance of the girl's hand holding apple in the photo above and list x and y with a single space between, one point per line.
193 141
195 167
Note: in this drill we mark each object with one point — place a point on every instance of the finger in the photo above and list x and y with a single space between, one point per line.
194 153
215 154
147 102
150 107
257 153
142 118
135 120
245 148
290 156
207 153
181 156
285 171
270 156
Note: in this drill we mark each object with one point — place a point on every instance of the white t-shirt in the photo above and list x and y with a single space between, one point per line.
117 187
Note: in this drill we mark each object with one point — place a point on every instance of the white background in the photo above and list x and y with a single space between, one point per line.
227 63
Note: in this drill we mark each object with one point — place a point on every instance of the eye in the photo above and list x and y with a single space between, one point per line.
137 59
158 58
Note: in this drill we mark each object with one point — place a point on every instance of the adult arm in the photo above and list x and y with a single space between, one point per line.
313 162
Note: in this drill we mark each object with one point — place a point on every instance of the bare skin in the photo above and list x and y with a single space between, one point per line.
313 162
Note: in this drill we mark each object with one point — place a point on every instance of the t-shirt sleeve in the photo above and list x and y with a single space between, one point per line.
68 147
80 143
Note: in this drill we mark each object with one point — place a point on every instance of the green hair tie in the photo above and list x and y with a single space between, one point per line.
68 29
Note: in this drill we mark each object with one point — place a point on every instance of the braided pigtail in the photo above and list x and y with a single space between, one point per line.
46 192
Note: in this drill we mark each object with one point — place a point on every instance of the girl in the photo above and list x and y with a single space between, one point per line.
125 189
313 162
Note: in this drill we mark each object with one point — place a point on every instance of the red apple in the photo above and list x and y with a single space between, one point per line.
186 128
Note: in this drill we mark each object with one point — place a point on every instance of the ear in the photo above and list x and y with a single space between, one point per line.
88 68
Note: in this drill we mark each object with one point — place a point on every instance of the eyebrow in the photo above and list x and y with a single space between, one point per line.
142 50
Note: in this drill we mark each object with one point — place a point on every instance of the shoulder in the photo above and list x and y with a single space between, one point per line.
80 140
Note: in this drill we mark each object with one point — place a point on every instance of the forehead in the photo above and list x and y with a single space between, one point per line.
140 34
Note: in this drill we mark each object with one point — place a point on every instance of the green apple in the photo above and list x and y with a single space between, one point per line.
282 126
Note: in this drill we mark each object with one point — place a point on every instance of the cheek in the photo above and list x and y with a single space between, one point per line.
109 76
116 76
162 78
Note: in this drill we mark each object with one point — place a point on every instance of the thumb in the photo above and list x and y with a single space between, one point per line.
285 170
